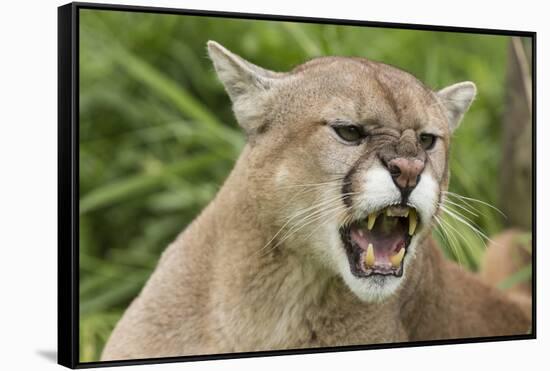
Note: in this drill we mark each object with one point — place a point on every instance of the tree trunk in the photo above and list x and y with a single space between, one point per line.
517 166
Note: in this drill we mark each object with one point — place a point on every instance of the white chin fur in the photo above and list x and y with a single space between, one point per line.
375 289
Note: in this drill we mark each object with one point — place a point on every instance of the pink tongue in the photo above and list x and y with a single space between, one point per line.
384 245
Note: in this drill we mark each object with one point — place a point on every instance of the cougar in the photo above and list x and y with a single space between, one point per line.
321 234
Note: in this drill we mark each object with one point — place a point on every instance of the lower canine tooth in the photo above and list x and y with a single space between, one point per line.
397 258
369 257
412 222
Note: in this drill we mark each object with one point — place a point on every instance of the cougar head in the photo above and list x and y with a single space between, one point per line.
347 159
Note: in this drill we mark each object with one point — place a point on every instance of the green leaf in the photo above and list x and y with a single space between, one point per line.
138 185
188 105
523 275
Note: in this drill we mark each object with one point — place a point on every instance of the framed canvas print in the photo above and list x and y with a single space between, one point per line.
237 185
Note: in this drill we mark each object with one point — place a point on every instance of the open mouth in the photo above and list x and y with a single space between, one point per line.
378 244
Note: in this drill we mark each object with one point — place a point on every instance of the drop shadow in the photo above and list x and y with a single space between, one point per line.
50 355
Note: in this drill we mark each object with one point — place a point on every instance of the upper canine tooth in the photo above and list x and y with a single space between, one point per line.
412 221
369 256
397 258
370 220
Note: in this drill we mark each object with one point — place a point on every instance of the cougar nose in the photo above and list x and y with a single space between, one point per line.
405 172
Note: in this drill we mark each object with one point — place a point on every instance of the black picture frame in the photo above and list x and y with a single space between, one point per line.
68 180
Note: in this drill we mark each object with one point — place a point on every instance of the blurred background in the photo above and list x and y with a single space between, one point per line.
157 135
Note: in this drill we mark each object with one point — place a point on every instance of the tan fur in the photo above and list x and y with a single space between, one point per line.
222 286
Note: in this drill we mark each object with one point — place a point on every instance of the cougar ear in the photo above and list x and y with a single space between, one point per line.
456 99
247 85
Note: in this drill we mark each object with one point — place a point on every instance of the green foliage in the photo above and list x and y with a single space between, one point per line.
157 135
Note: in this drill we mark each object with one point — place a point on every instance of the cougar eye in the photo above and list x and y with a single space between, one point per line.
350 133
427 141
